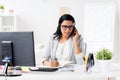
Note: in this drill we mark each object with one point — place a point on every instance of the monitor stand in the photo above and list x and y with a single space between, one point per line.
5 73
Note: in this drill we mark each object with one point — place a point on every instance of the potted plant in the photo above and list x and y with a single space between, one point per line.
104 57
1 8
104 54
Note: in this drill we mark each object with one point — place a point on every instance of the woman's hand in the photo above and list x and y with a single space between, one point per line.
52 63
75 40
76 35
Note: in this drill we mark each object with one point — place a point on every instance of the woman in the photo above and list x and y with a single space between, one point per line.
66 44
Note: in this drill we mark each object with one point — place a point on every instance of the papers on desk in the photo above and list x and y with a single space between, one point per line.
61 64
25 68
64 63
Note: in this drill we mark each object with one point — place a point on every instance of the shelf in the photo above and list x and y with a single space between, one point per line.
7 14
7 22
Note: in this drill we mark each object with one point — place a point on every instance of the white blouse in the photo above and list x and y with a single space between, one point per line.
62 52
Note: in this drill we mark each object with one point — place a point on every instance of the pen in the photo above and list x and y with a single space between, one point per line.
54 62
52 59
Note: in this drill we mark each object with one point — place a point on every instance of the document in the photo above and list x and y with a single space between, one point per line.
61 64
64 63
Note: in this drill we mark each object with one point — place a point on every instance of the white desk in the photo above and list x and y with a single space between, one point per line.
65 75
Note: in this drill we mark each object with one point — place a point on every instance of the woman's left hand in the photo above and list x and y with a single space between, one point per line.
75 40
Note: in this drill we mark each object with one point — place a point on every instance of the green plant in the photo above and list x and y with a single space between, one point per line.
1 7
104 54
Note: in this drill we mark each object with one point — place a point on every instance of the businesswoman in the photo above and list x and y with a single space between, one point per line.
66 44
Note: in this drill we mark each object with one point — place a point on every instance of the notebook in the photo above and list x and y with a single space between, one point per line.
50 69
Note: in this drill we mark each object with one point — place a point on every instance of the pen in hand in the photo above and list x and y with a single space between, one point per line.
54 63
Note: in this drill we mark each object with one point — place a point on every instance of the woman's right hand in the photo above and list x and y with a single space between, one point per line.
52 63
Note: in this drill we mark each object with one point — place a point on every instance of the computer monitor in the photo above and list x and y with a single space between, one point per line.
21 45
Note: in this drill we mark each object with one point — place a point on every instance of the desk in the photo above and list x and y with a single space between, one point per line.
62 76
65 75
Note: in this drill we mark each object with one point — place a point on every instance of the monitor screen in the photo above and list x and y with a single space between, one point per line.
22 48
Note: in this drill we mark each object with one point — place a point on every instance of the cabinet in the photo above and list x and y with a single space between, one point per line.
7 22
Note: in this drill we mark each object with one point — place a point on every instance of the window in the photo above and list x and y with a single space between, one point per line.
99 25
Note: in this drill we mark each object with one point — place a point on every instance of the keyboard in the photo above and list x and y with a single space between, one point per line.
43 69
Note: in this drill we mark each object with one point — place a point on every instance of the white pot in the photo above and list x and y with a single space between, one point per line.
104 65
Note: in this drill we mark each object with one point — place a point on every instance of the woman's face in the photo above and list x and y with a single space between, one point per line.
66 28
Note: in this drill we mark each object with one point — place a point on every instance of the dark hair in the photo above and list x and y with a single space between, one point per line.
58 33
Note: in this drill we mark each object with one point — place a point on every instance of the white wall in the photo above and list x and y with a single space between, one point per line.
41 16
